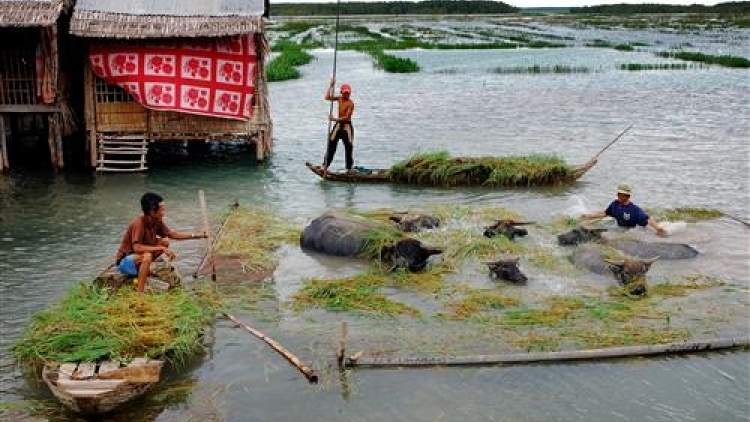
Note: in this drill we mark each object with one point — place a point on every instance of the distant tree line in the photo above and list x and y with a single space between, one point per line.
732 7
428 7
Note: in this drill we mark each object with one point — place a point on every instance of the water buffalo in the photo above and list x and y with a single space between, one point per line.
409 222
507 269
410 254
506 228
345 235
629 272
579 235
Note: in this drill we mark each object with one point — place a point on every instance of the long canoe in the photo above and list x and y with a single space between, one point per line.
383 175
100 387
369 176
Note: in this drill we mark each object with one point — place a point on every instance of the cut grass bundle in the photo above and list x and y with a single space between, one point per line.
439 169
251 235
91 324
354 294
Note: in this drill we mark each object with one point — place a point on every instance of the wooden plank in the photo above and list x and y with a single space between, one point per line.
29 108
89 110
94 384
139 361
85 370
119 161
77 393
108 366
66 370
107 169
124 151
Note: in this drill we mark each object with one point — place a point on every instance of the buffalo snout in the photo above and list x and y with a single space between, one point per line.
631 273
507 269
506 228
414 222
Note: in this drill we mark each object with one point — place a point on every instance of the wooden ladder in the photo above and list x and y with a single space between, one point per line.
122 153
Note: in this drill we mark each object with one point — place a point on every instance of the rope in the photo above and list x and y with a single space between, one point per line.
335 55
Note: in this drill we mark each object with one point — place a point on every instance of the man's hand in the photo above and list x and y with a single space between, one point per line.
660 231
333 119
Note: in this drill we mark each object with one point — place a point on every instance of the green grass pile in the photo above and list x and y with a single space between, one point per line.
95 324
439 169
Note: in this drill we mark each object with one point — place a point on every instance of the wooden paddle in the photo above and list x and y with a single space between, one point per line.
209 249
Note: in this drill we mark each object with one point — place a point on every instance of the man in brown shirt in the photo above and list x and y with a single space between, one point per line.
146 238
342 129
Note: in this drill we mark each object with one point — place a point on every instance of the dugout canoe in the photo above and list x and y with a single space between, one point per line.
383 175
100 387
370 176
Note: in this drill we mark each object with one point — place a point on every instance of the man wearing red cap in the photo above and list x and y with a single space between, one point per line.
342 129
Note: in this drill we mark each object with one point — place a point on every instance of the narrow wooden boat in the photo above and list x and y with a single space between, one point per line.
369 176
92 388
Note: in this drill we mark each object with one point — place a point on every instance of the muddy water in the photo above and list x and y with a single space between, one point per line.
688 147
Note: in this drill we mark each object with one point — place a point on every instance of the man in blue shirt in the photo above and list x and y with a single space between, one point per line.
627 213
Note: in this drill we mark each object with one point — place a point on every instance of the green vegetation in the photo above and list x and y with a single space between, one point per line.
284 66
440 169
599 43
690 214
91 324
355 294
723 60
251 235
733 7
428 7
653 66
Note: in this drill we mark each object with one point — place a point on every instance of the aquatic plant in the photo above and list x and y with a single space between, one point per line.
442 170
537 69
690 214
92 323
251 235
653 66
722 60
284 66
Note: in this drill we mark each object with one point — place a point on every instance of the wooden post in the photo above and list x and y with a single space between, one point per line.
89 111
4 165
341 352
54 139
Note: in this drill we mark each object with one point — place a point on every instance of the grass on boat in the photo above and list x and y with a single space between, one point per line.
90 324
440 169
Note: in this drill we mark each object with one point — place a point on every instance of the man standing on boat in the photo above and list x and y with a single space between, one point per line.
627 213
342 129
146 238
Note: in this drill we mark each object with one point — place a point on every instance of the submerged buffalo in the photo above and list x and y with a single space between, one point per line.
580 235
507 269
345 235
632 247
629 272
506 228
409 254
410 222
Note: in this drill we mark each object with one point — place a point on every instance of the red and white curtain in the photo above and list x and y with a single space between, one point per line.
212 77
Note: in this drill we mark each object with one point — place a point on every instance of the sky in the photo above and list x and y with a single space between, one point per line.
545 3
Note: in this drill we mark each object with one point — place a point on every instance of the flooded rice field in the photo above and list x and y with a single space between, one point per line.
688 148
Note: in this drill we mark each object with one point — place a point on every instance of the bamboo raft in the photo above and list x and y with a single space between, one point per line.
93 388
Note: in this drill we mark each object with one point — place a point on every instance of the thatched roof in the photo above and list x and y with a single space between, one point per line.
25 13
166 18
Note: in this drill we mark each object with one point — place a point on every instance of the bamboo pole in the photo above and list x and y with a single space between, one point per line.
209 246
4 163
595 157
341 352
567 355
294 360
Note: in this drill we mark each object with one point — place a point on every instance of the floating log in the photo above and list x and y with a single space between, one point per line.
536 357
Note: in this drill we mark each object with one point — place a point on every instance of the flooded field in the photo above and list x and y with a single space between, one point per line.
688 148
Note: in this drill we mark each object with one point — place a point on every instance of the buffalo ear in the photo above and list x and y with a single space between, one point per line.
650 261
395 218
615 262
431 251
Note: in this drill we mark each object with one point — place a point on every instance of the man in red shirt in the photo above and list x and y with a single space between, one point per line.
146 238
343 129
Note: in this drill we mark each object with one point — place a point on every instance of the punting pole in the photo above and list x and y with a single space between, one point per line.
209 248
294 360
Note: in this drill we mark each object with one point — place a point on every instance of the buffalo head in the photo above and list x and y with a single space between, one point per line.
507 269
414 222
506 228
631 273
409 254
580 234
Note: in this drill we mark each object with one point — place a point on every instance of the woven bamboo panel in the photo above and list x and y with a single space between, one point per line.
164 123
120 117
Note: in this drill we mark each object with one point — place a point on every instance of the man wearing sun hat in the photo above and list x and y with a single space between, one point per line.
627 213
342 129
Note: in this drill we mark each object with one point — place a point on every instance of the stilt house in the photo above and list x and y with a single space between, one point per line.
171 70
34 113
